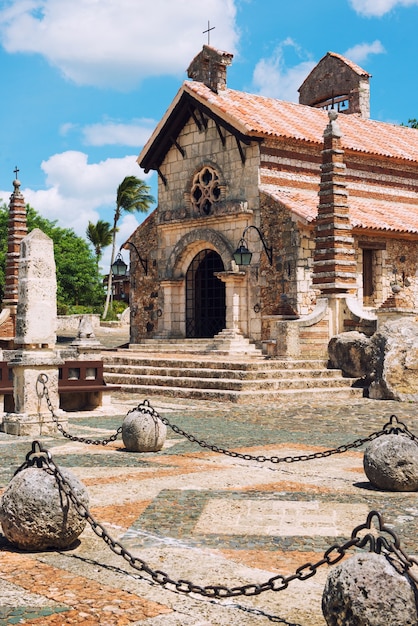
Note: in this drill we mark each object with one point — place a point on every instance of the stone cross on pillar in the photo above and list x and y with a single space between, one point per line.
35 354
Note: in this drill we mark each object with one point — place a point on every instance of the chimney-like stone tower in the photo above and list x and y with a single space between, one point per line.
209 67
334 267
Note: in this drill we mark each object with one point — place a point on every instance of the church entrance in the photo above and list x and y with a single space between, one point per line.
205 296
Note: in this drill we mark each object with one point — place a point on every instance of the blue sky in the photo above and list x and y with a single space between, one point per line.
84 82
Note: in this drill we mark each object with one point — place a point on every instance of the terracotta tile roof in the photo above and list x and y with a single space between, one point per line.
365 213
260 116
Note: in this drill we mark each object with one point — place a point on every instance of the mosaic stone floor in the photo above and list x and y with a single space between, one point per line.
204 517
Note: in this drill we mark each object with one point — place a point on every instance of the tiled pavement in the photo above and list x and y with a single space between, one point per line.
204 517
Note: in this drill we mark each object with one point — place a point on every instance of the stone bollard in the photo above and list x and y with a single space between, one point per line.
143 432
366 590
391 463
36 515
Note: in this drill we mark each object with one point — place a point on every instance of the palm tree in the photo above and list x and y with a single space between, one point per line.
100 236
132 195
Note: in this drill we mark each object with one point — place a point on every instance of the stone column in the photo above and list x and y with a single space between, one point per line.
35 354
172 322
235 300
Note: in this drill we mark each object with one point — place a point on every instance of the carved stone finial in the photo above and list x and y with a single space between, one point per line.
333 128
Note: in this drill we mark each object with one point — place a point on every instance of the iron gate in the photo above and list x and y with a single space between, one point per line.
205 296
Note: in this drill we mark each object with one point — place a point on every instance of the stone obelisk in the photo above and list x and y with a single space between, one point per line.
34 354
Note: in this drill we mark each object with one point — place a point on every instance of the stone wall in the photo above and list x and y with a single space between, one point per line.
70 323
394 261
290 275
145 298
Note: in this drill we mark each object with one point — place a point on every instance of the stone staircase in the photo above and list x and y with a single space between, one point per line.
189 369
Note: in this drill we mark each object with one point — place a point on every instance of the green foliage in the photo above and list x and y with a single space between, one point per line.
412 123
100 236
115 310
78 281
131 195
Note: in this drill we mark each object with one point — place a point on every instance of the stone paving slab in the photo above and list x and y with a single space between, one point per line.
202 516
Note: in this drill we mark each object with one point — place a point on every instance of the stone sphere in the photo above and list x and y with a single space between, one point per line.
143 432
391 463
36 515
366 590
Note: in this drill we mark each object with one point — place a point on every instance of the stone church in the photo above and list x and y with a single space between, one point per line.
279 223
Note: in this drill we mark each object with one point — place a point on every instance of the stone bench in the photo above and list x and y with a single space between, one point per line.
81 386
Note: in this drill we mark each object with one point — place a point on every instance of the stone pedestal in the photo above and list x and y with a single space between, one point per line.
32 416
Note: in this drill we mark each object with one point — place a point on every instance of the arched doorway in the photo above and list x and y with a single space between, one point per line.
205 296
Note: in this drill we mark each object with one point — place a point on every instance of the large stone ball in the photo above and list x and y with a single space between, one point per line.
391 463
36 515
366 590
143 432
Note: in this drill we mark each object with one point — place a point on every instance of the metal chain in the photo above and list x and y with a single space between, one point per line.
394 426
42 458
43 379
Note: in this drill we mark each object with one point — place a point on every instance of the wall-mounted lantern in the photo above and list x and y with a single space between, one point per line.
143 262
119 266
242 255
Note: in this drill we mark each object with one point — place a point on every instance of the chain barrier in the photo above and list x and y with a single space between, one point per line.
42 380
40 457
393 426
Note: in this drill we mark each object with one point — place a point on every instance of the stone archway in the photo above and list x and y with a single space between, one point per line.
205 295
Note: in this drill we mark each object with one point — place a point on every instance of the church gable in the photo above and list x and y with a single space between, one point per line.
208 178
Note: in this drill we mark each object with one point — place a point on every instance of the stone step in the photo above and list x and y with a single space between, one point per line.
131 359
234 378
225 343
248 397
207 372
223 383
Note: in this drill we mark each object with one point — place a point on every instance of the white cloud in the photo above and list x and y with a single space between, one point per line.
272 78
377 8
134 134
362 51
116 43
78 192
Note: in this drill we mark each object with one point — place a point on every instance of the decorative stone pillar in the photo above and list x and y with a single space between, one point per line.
35 354
334 266
16 231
